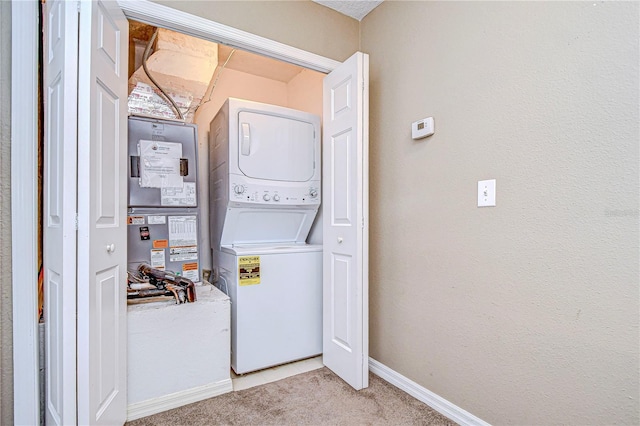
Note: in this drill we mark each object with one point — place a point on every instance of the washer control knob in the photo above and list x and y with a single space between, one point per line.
266 197
238 189
276 197
313 193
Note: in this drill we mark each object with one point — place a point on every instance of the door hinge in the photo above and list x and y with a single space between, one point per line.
79 6
76 221
363 222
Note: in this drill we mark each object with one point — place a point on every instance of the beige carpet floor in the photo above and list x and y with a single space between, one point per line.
318 397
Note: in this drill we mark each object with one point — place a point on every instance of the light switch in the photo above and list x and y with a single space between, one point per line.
487 193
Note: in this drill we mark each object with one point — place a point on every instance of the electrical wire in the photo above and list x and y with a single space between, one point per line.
220 73
147 50
216 80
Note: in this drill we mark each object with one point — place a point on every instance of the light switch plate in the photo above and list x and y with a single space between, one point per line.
487 193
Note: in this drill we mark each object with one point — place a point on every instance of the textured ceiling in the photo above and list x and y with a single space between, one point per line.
355 9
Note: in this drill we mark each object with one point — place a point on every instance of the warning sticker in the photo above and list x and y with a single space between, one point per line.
249 270
135 220
160 244
190 271
157 259
180 254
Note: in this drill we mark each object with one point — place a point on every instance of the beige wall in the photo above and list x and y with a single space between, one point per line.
6 342
304 92
526 313
302 24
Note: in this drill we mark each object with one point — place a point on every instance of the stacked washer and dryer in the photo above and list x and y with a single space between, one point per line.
264 185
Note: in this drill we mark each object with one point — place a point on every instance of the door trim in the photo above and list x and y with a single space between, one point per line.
186 23
24 205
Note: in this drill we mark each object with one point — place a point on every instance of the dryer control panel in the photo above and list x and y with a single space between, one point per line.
240 191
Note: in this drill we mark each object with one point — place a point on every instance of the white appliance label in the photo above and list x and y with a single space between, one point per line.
184 196
160 164
183 238
157 259
180 254
157 220
192 275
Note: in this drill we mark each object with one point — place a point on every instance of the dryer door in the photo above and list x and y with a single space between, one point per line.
275 148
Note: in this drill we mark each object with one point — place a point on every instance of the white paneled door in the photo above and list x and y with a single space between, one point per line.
59 203
102 203
345 221
85 252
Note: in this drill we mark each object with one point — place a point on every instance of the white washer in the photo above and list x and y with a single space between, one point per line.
276 317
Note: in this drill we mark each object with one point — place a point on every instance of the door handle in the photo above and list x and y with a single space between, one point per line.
245 139
339 240
111 248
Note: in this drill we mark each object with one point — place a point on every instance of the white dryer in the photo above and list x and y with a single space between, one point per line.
264 185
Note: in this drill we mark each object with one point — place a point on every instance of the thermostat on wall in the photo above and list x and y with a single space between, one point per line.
422 128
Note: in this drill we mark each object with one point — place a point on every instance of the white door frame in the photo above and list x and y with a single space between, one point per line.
183 22
24 214
24 171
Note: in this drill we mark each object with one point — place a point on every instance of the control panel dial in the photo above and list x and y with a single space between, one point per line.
283 195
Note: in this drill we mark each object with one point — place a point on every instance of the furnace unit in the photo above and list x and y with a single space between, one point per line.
163 218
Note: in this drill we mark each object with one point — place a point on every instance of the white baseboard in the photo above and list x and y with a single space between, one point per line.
434 401
178 399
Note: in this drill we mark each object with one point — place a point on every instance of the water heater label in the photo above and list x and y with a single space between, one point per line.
249 270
